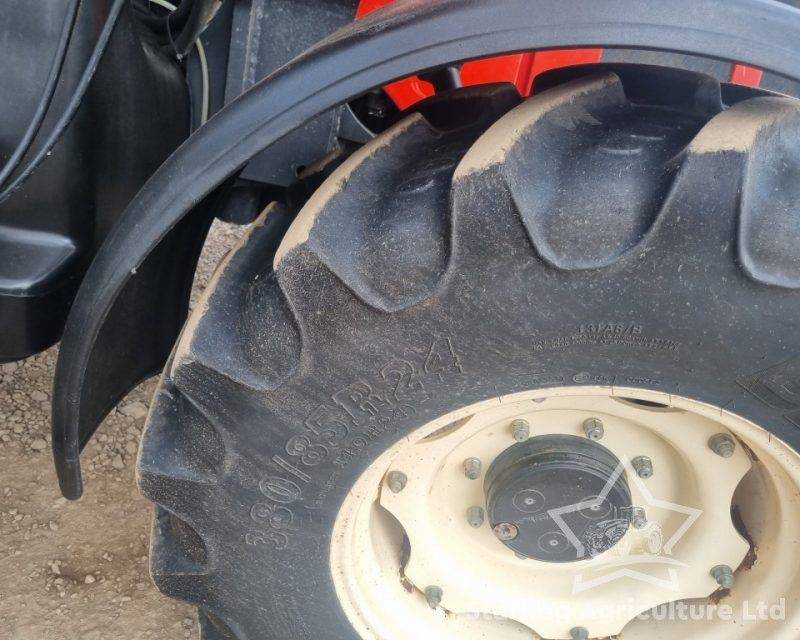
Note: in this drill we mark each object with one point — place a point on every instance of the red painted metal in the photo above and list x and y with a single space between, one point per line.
520 69
368 6
748 76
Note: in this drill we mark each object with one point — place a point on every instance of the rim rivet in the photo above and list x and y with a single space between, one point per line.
475 516
520 429
637 517
723 574
722 444
433 595
579 633
593 428
643 467
396 481
472 468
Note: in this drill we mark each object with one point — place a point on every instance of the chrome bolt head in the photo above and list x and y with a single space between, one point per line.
396 481
520 429
593 428
472 468
722 444
723 574
637 517
643 467
505 531
475 517
433 595
579 633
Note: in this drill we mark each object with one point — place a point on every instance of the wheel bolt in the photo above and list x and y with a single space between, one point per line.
505 531
643 467
579 633
723 574
722 444
433 595
475 516
637 517
396 481
593 428
472 468
520 429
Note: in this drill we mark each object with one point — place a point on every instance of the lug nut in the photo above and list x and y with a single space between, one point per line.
520 429
396 481
505 531
722 444
593 428
643 467
472 468
579 633
475 517
433 595
723 574
637 517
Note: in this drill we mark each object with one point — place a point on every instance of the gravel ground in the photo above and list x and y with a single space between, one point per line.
79 569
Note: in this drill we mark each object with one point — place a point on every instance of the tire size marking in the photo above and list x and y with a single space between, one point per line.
359 413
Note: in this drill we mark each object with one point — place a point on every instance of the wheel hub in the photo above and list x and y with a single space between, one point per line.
455 554
558 498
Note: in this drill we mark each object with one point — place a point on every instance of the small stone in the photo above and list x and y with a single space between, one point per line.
117 462
9 367
130 448
89 579
38 396
38 444
53 526
134 410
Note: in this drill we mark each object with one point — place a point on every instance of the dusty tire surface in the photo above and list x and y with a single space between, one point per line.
605 232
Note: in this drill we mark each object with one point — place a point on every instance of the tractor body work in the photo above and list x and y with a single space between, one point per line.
501 255
55 217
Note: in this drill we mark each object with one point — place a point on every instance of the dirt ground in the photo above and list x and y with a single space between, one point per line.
80 569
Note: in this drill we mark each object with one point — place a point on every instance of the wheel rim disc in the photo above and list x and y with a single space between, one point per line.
388 547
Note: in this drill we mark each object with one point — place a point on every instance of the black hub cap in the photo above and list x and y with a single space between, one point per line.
557 498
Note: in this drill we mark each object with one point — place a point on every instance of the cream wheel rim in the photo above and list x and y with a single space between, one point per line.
410 563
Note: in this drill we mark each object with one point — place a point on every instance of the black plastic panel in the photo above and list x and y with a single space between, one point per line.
134 113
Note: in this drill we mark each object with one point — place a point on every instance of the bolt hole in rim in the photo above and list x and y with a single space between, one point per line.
392 551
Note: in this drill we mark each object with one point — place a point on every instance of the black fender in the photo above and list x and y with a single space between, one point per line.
121 327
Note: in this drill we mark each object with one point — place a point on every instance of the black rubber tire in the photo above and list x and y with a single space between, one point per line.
622 228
